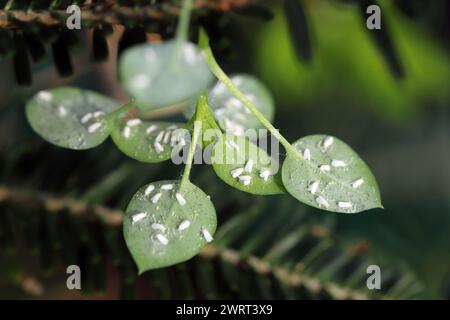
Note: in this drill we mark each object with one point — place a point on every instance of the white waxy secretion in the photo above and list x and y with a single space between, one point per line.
167 187
208 237
181 200
236 172
327 142
307 154
156 197
160 136
45 96
325 168
149 190
99 113
184 225
86 117
322 201
313 186
126 132
158 226
338 163
245 180
344 204
264 174
62 111
138 216
134 122
249 166
151 129
158 147
94 127
161 238
357 183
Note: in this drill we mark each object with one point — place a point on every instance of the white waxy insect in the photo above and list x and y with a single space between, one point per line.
156 197
264 174
62 111
313 186
236 172
327 142
208 237
338 163
158 226
245 180
184 225
151 129
161 238
88 116
149 190
357 183
158 147
307 154
181 200
345 204
160 136
94 127
322 201
99 113
167 187
138 216
167 137
249 166
45 96
126 132
325 168
134 122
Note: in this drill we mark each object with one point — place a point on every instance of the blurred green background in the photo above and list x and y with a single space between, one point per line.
399 125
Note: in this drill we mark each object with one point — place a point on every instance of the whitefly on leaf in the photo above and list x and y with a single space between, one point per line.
70 117
166 224
163 74
230 113
243 165
326 173
148 141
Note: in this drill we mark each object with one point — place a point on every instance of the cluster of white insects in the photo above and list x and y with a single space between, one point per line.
155 196
313 186
168 136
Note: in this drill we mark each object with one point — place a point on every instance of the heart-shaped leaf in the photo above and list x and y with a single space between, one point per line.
166 224
163 74
231 115
70 117
148 141
327 174
244 166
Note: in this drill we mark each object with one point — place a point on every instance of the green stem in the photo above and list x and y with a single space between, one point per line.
122 109
192 148
218 72
183 24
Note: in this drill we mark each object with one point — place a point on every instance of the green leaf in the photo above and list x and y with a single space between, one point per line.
327 174
148 141
162 229
230 113
244 166
163 74
70 117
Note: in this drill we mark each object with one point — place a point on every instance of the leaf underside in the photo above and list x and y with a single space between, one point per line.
334 179
164 218
70 117
233 153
